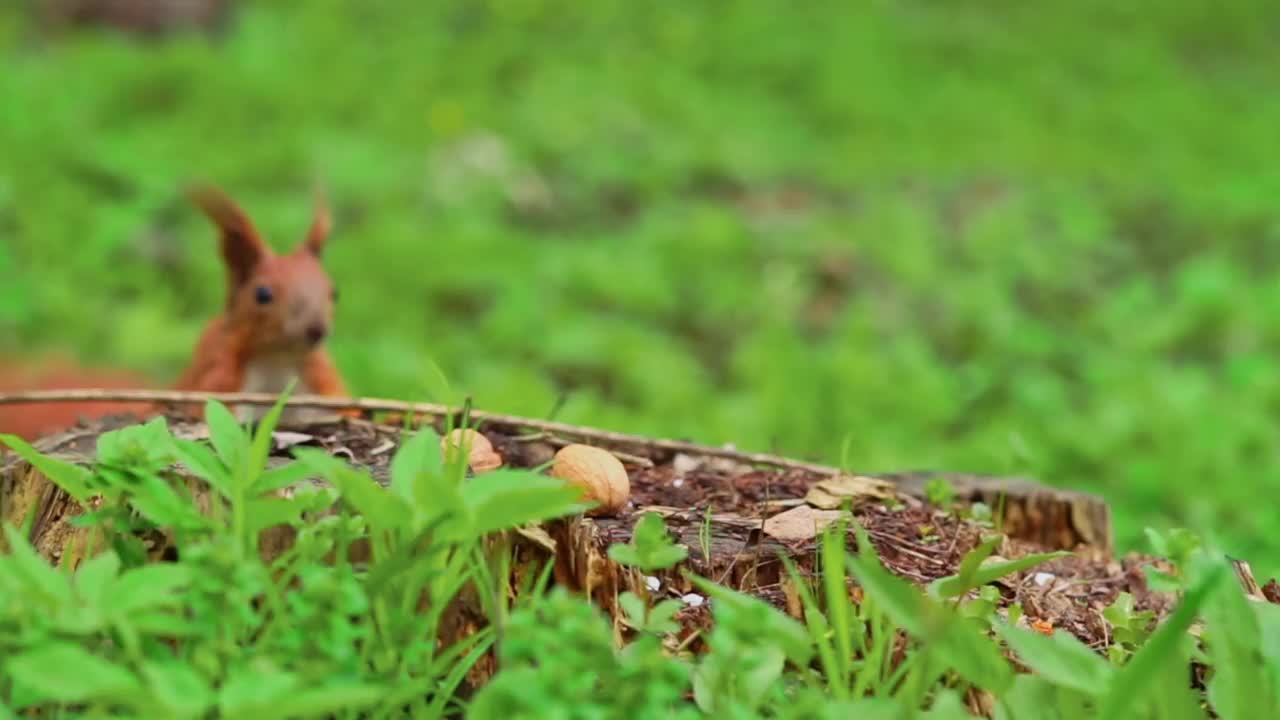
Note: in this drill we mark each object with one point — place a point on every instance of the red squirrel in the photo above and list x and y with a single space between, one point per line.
278 313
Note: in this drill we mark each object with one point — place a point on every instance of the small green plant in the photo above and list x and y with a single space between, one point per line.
750 645
650 549
1129 628
940 492
656 619
558 660
979 513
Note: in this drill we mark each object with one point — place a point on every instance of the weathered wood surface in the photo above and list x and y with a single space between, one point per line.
1053 517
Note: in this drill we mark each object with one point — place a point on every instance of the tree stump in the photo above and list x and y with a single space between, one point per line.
737 517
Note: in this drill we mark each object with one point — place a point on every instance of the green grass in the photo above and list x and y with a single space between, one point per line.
974 235
221 631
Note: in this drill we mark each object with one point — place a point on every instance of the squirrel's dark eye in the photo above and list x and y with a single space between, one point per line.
262 294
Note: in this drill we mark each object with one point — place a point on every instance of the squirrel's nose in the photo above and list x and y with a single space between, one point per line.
316 333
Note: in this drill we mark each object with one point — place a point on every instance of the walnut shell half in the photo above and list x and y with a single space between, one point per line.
598 473
481 457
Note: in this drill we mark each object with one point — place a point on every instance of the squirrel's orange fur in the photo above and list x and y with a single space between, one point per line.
279 310
59 373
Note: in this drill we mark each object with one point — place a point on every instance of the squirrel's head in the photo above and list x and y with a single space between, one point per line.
280 303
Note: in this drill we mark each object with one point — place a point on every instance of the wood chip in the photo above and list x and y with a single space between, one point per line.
799 523
683 464
285 439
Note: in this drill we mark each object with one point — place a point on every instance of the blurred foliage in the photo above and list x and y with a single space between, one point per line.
975 235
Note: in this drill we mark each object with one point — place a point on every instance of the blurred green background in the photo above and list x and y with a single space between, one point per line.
983 236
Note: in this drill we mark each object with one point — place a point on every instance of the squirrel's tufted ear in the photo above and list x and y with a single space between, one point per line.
321 224
242 247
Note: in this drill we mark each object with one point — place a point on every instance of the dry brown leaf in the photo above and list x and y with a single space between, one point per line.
539 536
799 523
831 493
